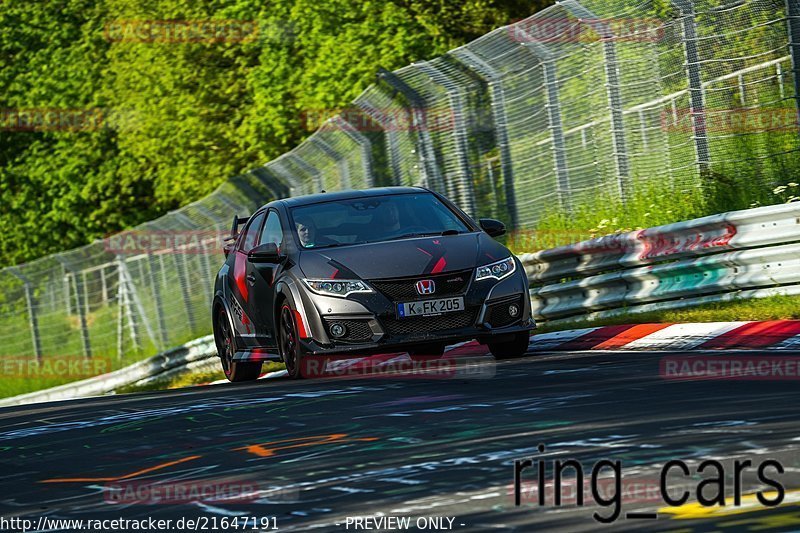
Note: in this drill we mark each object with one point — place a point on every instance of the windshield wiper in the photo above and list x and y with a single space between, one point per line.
428 234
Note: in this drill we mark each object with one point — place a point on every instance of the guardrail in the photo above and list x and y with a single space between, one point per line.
195 354
738 254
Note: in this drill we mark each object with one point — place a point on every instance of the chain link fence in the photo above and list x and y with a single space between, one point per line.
586 101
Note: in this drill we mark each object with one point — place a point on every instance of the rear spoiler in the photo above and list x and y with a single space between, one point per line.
237 221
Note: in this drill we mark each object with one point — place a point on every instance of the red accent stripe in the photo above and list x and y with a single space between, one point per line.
587 341
239 273
754 335
335 272
301 328
424 252
630 335
439 266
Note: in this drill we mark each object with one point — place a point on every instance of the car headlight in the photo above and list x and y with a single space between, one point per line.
337 287
499 270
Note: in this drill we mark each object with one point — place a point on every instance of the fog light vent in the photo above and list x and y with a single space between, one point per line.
338 330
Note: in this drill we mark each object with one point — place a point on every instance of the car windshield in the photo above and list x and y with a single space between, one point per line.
374 219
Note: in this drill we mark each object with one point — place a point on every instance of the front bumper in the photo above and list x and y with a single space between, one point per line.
311 347
377 328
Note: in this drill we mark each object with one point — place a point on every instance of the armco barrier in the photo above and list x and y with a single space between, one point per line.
750 250
188 356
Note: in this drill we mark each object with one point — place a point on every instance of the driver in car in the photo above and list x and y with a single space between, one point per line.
307 232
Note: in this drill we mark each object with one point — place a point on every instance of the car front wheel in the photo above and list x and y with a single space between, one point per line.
226 348
289 344
516 347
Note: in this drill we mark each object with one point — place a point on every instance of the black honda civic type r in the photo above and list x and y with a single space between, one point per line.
363 272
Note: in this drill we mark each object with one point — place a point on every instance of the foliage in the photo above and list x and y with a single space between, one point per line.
178 117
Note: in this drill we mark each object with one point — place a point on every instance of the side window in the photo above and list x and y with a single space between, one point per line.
248 241
273 231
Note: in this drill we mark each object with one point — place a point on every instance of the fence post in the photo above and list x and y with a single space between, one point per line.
612 89
183 281
363 142
30 303
162 325
312 171
341 162
793 21
460 134
494 81
206 265
79 297
295 187
126 309
416 107
695 79
553 106
389 127
272 182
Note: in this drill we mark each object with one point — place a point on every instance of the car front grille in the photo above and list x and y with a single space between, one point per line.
404 289
357 330
497 314
422 325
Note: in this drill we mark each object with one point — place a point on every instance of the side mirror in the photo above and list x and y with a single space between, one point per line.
265 253
493 227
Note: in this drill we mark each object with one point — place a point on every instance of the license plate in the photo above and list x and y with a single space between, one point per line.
430 307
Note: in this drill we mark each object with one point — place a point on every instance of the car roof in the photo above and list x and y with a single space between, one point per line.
348 195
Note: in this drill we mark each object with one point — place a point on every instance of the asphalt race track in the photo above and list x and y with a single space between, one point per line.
326 449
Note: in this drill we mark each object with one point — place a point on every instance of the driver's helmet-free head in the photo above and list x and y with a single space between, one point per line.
306 231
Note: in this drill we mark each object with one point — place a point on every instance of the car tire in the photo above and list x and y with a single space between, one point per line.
517 347
288 342
226 348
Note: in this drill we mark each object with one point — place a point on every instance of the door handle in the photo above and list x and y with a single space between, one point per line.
251 279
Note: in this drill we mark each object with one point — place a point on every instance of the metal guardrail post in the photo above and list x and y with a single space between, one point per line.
389 126
30 303
416 107
494 81
366 147
125 308
162 324
341 162
312 171
553 106
793 22
460 133
79 298
183 281
295 187
613 91
695 79
272 182
207 273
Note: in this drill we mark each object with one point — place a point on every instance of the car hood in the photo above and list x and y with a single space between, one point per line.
408 257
